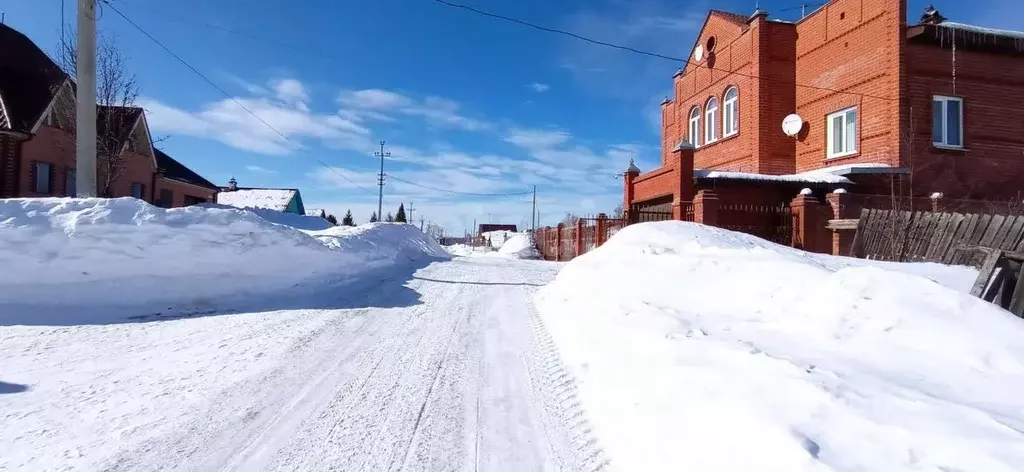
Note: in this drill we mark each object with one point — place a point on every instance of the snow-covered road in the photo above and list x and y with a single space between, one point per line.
445 369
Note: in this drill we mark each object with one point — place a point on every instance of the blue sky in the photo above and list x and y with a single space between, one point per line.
465 102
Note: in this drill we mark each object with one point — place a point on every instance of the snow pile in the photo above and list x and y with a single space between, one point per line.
267 198
461 249
519 246
697 348
125 252
303 222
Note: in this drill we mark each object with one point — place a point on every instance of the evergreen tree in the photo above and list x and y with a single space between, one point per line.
347 219
332 220
390 218
373 217
400 216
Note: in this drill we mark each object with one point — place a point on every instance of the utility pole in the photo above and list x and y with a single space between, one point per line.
473 244
533 214
411 219
421 223
85 121
380 181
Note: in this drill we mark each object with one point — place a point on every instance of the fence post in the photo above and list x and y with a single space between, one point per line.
558 241
842 240
579 237
937 202
683 193
628 191
602 225
807 214
705 208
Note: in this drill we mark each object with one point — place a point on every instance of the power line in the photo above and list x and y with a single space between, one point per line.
457 192
223 92
638 51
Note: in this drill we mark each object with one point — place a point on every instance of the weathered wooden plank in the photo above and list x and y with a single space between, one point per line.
944 246
986 272
974 239
1004 229
1014 236
940 231
993 228
1017 300
925 223
857 247
876 230
964 231
843 224
869 217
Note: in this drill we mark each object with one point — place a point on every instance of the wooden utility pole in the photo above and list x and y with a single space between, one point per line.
533 214
380 182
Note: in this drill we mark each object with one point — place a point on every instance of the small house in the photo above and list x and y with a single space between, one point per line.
285 200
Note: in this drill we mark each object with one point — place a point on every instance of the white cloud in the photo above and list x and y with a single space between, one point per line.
287 113
292 92
382 105
539 87
260 170
536 139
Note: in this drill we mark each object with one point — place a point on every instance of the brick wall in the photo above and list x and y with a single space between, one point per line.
179 191
655 184
139 168
850 46
991 164
732 62
50 145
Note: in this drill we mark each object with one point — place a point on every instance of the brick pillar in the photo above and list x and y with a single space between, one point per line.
705 208
558 241
602 228
628 192
937 202
841 208
807 222
683 191
579 237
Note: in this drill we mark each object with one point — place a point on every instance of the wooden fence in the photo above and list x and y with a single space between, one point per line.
893 235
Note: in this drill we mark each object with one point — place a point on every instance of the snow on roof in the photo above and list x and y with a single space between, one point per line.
268 198
315 211
982 29
825 175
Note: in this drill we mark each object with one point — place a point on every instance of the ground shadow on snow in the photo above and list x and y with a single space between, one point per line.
381 288
12 388
473 282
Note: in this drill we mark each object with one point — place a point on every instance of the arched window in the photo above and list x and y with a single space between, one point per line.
731 112
695 126
711 121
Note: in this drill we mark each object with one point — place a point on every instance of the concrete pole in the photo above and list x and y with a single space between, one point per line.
85 124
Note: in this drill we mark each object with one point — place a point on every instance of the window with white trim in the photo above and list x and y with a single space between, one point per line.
731 112
842 133
947 121
711 121
695 126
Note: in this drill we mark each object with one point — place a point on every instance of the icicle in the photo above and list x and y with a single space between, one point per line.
954 62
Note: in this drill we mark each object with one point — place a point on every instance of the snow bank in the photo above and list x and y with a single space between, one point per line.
303 222
696 348
125 252
497 238
519 246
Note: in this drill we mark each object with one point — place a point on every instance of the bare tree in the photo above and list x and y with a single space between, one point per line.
570 219
117 90
435 231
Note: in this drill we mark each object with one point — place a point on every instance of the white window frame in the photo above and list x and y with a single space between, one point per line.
945 126
731 107
695 126
711 120
830 134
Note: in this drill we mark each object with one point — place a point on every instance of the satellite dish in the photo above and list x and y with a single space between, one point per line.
792 124
698 53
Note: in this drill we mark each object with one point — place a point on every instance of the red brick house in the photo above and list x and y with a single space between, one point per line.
37 141
873 104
